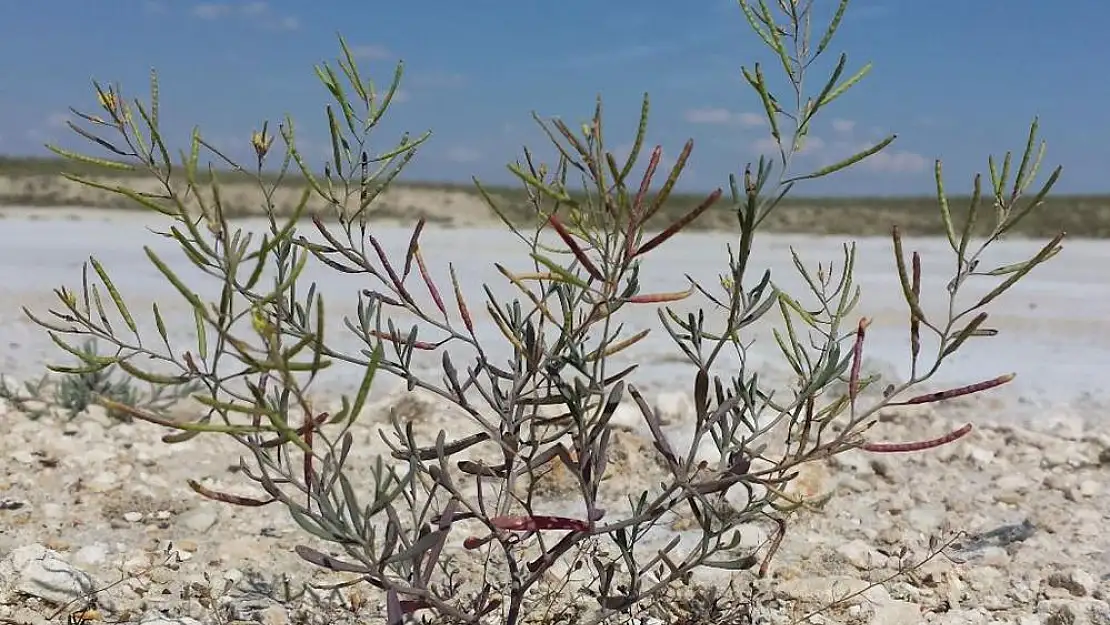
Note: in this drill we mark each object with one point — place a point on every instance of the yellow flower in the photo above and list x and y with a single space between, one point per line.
261 143
107 100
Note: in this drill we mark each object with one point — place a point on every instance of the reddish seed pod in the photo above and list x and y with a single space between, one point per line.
539 523
957 392
917 446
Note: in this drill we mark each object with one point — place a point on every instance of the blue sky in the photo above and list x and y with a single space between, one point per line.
955 79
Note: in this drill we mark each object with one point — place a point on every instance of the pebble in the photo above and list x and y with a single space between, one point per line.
199 520
673 407
861 555
817 590
1078 582
1084 611
39 572
126 502
1089 488
894 611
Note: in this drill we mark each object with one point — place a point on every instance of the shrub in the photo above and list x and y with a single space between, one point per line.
79 388
549 404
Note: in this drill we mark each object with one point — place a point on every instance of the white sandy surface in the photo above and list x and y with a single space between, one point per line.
106 498
1054 325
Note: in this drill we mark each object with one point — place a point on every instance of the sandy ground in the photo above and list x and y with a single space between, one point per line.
1054 327
1027 487
447 206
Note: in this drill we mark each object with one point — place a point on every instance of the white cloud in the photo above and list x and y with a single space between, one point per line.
258 13
371 52
437 80
287 23
895 162
154 7
843 126
751 120
765 145
255 8
708 116
667 160
768 145
846 143
462 154
721 116
57 120
211 10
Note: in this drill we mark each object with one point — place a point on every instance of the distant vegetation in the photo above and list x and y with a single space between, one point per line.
29 181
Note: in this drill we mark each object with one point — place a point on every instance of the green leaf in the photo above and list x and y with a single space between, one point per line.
972 214
757 82
92 160
202 336
845 86
1035 202
826 90
367 383
848 162
160 324
945 212
1048 251
1020 180
904 278
561 272
116 298
147 376
833 25
187 293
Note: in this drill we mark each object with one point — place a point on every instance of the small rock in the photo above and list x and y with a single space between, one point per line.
1078 582
627 416
995 556
1013 482
813 485
1084 611
57 544
103 482
894 611
52 510
926 518
977 616
92 554
1089 488
199 520
133 517
1068 427
822 590
854 462
674 407
861 555
980 457
187 545
98 415
39 572
158 619
273 615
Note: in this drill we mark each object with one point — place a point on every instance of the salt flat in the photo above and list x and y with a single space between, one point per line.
1054 326
91 493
